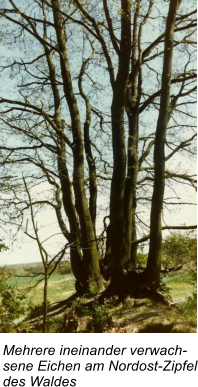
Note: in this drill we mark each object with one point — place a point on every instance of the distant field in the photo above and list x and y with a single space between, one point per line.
60 286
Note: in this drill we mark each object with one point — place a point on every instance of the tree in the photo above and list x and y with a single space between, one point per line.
62 115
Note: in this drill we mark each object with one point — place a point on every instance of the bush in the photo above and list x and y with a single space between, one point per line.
10 306
189 307
178 249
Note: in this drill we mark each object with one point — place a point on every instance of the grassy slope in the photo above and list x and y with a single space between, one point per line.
133 316
61 284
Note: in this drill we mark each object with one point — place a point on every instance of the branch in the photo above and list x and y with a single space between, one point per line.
182 145
157 93
146 237
110 25
146 153
101 40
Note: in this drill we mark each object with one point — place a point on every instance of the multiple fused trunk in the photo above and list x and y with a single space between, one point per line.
123 200
123 192
126 97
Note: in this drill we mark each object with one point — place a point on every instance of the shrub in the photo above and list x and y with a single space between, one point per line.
178 249
10 306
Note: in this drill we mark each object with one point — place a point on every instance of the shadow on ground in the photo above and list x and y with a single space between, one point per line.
158 328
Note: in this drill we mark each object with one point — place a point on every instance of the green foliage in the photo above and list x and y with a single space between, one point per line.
164 289
36 310
101 318
97 314
193 279
178 249
141 256
189 307
10 306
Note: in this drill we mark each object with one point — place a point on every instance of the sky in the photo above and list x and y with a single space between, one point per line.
26 250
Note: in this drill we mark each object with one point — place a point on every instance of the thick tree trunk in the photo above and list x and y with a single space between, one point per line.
73 235
91 279
92 175
88 150
119 251
134 246
132 109
68 203
131 181
155 249
117 225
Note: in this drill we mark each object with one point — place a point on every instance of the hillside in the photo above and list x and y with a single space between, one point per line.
88 315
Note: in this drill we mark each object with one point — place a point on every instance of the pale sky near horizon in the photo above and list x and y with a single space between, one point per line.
26 251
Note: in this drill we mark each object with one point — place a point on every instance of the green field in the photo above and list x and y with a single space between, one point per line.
60 287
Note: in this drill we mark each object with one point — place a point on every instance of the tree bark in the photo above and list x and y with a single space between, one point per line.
132 109
155 248
66 187
69 207
88 150
134 246
117 222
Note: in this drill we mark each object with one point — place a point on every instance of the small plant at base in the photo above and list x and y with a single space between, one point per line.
35 310
100 315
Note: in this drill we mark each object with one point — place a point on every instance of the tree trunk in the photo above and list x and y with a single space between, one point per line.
92 176
134 246
119 251
73 235
132 109
68 202
131 181
91 278
155 248
88 150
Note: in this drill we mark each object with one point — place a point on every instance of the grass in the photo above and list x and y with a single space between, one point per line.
179 285
59 287
141 316
61 284
21 282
